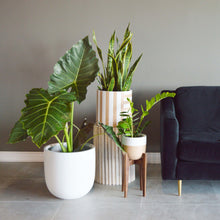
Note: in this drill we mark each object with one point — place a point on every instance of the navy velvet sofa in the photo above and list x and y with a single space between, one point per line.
190 134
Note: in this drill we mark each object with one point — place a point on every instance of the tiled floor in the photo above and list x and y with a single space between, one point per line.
24 196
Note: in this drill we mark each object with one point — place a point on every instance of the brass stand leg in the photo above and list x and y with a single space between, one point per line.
144 172
126 175
179 187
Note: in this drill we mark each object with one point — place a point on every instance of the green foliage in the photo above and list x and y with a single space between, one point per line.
110 132
132 124
48 112
76 70
18 133
117 75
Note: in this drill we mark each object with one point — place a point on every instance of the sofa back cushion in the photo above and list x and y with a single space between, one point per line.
198 108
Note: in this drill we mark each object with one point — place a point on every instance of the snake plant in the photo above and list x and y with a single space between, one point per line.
48 112
117 74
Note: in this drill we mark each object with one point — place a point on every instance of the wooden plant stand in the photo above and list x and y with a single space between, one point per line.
142 162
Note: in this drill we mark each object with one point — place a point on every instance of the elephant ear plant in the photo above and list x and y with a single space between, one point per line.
117 74
132 125
48 112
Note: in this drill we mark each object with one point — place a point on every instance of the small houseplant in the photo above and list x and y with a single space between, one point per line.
50 112
131 127
113 90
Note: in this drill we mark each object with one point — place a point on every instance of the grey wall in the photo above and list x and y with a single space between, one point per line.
180 40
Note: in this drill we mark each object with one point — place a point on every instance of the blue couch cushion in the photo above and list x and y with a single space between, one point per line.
201 147
198 108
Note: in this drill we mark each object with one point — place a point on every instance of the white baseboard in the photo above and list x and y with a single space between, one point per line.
21 156
28 156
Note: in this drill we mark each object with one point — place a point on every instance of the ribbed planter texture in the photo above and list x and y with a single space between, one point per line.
108 155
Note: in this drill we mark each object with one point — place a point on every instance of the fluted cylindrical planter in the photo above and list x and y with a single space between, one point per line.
134 146
108 155
109 160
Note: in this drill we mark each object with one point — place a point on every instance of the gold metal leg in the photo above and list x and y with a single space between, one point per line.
179 187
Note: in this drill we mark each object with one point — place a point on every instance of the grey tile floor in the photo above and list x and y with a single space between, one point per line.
24 196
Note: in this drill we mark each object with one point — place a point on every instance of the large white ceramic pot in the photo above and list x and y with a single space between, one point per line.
69 175
134 146
110 104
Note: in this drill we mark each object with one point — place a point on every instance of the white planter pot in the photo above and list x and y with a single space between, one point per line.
135 146
69 175
110 104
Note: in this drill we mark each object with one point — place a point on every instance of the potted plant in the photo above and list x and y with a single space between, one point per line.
69 165
116 78
133 141
112 94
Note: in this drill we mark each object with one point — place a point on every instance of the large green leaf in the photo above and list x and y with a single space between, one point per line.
75 70
18 133
45 115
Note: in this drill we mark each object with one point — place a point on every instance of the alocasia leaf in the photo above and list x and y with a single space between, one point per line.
45 115
76 70
18 133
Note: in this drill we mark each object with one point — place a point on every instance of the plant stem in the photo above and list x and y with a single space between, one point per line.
132 129
90 139
61 145
69 147
139 124
71 125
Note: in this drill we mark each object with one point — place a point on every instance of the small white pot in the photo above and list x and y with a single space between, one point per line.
110 104
69 175
134 146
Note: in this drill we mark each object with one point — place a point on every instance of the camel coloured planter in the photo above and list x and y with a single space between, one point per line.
134 146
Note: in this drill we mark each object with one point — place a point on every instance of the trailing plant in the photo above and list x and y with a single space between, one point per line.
48 112
132 125
117 74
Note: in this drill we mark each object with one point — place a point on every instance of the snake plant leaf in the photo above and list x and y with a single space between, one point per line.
127 31
110 51
128 81
18 133
127 61
109 131
45 115
76 70
99 51
124 44
111 84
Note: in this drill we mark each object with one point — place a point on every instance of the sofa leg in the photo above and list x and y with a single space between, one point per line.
179 187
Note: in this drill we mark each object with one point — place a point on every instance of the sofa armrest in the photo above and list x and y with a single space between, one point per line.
169 137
